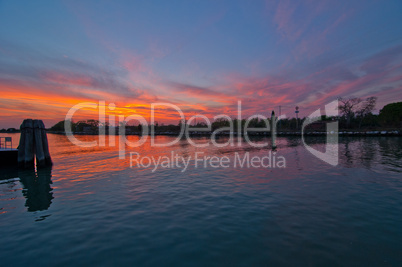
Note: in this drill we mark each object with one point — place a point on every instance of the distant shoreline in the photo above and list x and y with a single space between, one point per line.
264 134
253 134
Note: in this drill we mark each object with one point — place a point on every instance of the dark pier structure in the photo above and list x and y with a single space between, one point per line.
8 154
33 144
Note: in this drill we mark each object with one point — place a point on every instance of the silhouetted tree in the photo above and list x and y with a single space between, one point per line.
348 108
391 115
366 108
59 127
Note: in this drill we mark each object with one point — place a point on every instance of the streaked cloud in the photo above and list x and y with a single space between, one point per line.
203 58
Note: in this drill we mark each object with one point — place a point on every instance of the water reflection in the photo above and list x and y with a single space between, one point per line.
8 172
369 152
36 188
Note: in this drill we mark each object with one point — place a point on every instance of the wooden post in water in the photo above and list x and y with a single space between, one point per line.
45 144
33 141
40 155
29 144
273 130
21 147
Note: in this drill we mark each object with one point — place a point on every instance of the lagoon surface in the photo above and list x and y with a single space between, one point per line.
92 208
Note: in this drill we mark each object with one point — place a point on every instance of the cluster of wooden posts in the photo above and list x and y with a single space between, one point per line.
33 142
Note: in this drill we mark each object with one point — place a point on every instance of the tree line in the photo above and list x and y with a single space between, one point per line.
357 113
354 113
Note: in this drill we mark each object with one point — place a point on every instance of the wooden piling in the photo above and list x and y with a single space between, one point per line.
29 145
45 144
40 156
21 147
33 142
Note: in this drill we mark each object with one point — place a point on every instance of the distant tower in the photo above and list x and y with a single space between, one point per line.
273 130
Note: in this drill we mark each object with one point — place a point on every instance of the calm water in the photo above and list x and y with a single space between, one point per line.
92 208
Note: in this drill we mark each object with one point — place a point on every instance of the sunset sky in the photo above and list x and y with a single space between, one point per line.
203 56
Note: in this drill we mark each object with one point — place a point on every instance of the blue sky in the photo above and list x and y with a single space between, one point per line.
203 56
